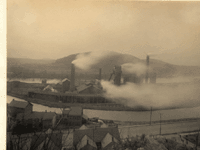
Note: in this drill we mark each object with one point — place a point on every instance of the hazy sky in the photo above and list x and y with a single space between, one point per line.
56 28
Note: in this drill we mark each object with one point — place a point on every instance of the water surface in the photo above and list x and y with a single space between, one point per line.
127 115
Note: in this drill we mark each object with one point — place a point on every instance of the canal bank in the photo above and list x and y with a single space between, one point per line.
129 116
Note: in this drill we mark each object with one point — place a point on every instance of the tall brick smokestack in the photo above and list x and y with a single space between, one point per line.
147 71
117 72
72 82
99 73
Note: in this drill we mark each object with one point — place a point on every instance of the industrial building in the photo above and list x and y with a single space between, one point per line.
93 93
16 107
43 120
72 117
23 113
89 89
117 72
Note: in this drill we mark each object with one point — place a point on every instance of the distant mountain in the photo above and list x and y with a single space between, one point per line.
107 63
162 69
18 61
63 65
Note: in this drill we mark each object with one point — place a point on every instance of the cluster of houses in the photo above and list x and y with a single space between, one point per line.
22 112
82 137
102 138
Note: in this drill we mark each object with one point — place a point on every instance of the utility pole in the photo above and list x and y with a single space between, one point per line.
160 123
93 133
150 115
197 140
147 70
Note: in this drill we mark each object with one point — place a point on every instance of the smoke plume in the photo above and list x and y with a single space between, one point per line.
134 68
85 61
157 96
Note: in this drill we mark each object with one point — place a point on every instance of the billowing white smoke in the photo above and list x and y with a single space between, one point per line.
156 96
134 68
86 61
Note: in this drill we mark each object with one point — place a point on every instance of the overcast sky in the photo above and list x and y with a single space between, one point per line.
56 28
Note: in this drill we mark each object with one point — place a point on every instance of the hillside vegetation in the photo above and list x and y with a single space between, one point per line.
60 68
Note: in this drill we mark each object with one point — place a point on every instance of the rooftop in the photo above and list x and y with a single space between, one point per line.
18 104
83 87
76 111
66 112
48 115
68 94
55 138
36 115
96 135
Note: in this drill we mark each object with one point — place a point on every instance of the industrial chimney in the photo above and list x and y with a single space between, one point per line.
147 70
117 72
72 82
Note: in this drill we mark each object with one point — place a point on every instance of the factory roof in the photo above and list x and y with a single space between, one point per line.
83 87
68 94
66 79
49 88
61 82
19 104
89 83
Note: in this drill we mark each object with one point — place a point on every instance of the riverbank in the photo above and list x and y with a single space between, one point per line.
118 122
147 123
95 106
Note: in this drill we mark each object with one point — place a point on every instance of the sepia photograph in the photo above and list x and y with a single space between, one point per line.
103 75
